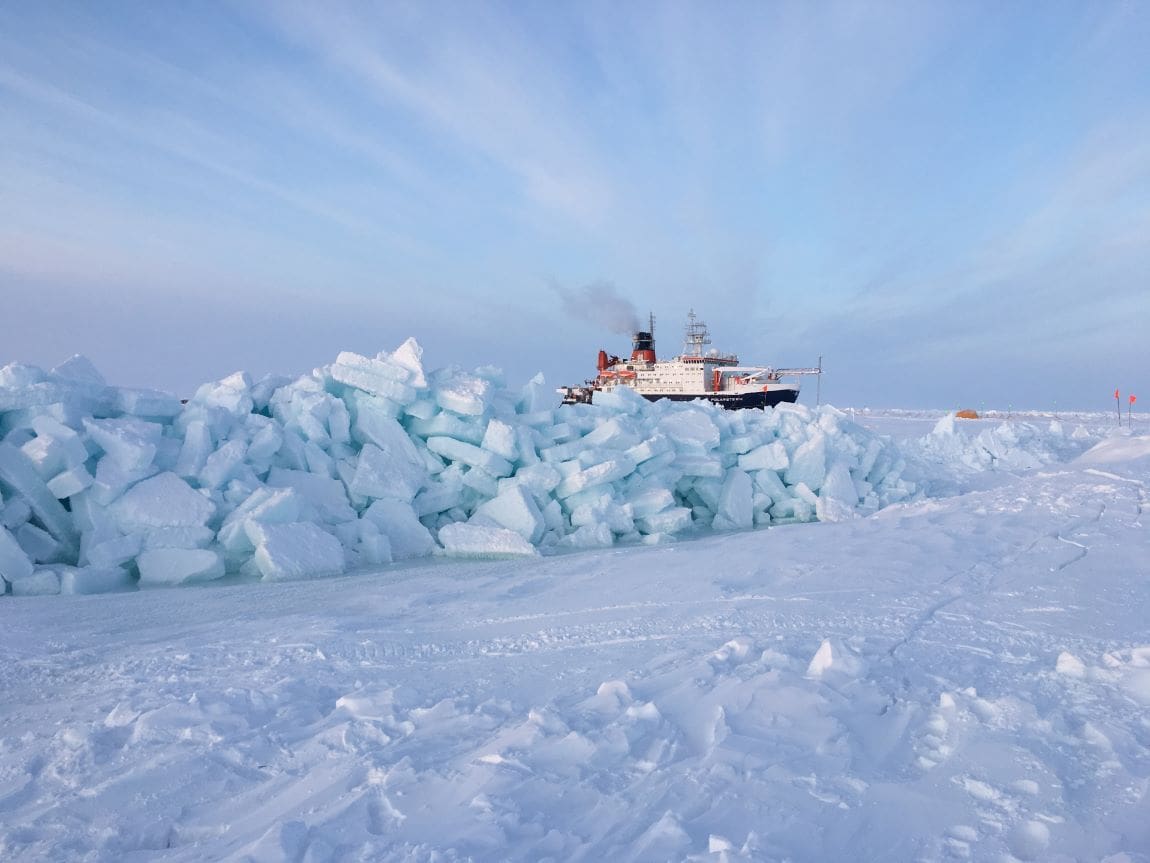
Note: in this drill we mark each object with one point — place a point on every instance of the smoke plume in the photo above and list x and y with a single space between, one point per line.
600 303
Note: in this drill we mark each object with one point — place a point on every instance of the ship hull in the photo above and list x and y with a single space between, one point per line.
695 374
731 401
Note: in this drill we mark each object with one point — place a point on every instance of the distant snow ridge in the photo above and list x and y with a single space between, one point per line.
371 460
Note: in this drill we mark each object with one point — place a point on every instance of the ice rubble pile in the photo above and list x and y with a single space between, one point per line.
1007 446
371 460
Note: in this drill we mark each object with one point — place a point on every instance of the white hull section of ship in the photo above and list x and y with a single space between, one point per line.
687 378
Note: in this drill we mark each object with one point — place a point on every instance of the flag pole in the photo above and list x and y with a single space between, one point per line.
1118 404
819 384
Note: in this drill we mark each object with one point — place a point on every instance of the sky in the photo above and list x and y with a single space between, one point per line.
948 202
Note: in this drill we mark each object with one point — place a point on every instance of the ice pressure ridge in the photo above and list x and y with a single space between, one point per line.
371 460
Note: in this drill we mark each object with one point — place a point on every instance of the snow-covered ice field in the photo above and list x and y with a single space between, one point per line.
964 675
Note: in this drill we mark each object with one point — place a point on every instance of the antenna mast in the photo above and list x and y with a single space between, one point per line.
696 336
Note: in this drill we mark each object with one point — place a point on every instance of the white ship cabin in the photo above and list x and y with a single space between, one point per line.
694 371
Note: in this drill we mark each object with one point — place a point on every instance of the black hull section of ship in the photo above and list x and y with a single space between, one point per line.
732 401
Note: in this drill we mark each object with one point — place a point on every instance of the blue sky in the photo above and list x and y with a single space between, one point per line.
949 201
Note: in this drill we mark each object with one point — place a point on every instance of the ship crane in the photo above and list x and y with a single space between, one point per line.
757 372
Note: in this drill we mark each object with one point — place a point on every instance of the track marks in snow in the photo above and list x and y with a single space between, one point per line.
1076 527
507 720
1083 550
936 739
1036 752
739 713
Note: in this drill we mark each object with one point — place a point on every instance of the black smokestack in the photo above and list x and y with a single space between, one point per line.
600 303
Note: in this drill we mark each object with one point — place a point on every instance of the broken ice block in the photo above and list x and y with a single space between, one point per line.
112 479
376 376
809 463
838 497
463 394
179 566
40 545
14 561
130 442
100 549
295 550
45 581
500 438
147 403
457 450
735 511
93 579
69 482
163 500
388 474
196 449
325 494
668 521
372 547
397 521
515 510
771 456
222 465
469 540
18 475
599 474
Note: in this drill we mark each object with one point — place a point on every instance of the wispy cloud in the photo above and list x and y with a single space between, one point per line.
175 136
473 77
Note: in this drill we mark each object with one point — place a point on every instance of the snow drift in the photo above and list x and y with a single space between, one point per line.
372 459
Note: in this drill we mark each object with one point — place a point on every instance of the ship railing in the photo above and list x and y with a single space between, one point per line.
718 359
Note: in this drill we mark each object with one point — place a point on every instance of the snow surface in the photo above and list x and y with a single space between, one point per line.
953 665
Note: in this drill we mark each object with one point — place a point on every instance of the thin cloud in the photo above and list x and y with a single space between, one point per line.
61 100
494 95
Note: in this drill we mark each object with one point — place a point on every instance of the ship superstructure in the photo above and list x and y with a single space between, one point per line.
697 373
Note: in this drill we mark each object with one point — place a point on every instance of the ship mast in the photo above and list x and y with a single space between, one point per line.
695 337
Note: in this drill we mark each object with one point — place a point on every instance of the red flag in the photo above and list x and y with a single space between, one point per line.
1116 395
1133 399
